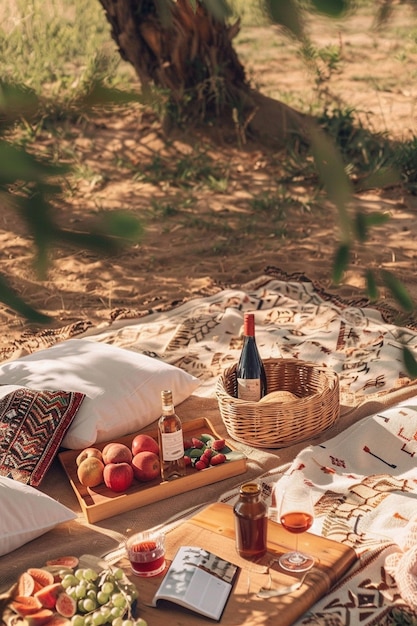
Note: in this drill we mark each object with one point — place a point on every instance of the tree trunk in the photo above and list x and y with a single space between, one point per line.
189 55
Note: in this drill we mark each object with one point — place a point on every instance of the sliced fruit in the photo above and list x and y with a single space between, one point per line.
65 605
59 620
41 576
25 585
65 561
25 605
58 571
48 595
40 618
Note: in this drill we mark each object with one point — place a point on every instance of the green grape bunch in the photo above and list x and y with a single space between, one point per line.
102 598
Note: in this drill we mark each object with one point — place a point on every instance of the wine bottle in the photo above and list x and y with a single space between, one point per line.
171 442
250 372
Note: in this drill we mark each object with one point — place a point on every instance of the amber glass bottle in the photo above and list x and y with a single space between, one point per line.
251 522
171 442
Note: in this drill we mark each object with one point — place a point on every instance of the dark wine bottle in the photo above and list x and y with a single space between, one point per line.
250 372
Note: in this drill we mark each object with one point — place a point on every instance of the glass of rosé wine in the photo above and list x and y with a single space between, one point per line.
296 514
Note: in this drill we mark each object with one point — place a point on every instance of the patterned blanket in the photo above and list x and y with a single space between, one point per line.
363 477
364 484
294 318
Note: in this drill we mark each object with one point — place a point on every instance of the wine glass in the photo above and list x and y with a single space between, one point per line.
296 514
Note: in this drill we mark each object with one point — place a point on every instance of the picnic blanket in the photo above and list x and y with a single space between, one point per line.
294 318
364 484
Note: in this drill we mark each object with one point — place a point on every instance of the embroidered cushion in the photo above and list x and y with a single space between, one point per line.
32 427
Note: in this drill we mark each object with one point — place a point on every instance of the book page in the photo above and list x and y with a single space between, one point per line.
199 580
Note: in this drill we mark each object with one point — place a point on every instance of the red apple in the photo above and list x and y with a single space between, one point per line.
118 476
144 443
146 466
116 453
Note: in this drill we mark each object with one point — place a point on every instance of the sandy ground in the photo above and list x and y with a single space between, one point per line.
202 234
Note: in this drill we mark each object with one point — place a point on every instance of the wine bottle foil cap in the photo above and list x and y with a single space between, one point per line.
250 489
249 324
166 396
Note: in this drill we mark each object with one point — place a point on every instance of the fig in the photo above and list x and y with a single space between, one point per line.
65 605
59 620
25 585
25 605
41 576
40 618
64 561
48 595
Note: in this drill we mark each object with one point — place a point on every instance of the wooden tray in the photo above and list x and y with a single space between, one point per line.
99 503
213 528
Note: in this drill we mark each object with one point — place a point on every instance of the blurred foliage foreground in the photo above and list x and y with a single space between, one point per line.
29 184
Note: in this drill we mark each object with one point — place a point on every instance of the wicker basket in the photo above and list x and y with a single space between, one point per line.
275 424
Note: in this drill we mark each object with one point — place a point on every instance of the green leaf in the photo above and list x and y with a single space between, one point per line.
218 8
398 290
329 164
383 177
364 221
122 224
371 285
333 8
341 262
234 455
17 164
10 298
361 226
377 218
287 14
410 362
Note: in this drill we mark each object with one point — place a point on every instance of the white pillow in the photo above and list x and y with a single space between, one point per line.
26 514
122 388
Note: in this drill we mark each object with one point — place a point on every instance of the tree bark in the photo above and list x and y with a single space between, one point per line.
188 54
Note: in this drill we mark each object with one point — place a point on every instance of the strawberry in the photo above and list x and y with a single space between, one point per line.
217 459
188 443
218 444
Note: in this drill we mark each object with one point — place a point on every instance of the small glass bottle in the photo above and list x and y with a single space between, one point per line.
170 438
250 371
251 522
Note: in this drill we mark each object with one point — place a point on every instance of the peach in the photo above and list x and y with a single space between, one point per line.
90 472
144 443
116 453
146 466
86 453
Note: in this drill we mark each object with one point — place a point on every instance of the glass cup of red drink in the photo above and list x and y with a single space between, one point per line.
146 553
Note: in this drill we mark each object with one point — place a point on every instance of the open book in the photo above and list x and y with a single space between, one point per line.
199 581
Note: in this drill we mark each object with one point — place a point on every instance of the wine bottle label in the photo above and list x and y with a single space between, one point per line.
249 389
172 446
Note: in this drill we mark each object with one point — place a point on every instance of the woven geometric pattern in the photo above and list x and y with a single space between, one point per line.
32 426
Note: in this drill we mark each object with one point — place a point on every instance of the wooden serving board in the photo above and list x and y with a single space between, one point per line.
99 503
213 529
